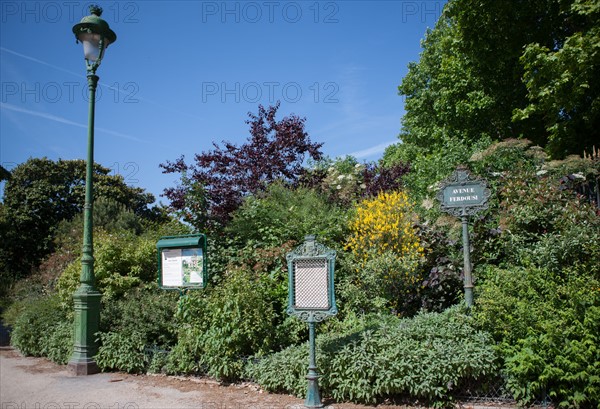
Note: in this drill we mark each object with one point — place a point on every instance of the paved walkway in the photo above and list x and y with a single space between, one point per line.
36 383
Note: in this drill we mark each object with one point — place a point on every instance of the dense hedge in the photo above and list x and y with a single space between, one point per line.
535 320
426 357
43 328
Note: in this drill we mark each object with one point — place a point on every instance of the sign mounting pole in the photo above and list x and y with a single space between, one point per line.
463 195
468 282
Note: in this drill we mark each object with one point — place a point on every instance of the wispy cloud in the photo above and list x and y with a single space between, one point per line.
26 57
373 150
126 93
357 130
65 121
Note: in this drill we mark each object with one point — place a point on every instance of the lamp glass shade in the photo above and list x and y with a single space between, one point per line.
91 45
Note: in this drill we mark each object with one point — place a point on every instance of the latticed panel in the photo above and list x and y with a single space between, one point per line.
311 284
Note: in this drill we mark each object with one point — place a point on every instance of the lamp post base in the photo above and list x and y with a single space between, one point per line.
83 367
87 318
313 397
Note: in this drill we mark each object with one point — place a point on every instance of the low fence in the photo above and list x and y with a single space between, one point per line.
495 394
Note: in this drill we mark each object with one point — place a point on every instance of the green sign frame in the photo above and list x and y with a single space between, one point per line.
311 298
463 194
311 295
182 262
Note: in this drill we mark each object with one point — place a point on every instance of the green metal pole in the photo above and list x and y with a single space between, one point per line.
468 280
313 397
86 298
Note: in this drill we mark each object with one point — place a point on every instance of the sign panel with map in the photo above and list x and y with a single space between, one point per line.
182 262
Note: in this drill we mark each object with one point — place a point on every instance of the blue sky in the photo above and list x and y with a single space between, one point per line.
183 74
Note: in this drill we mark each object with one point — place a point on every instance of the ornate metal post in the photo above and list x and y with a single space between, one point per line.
313 397
95 35
468 279
86 298
311 299
463 195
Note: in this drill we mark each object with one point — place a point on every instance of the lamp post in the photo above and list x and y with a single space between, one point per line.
96 36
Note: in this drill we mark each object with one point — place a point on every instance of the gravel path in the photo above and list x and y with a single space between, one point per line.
37 383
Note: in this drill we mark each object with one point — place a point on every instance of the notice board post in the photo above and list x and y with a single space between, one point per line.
311 298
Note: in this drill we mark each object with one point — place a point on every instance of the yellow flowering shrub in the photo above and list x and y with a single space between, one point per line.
387 251
384 223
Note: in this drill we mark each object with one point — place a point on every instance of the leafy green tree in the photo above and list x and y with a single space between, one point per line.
40 193
500 70
444 97
562 81
4 174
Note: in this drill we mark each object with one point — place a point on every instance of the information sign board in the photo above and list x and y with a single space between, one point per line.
311 269
311 284
182 262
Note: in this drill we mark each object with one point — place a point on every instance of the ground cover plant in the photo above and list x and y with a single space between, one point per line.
427 358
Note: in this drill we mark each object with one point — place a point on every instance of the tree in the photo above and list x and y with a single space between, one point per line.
213 187
486 60
562 81
444 98
4 174
40 193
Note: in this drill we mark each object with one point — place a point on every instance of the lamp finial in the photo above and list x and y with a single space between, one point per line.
96 10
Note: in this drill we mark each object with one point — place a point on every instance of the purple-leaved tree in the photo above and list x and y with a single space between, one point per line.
215 185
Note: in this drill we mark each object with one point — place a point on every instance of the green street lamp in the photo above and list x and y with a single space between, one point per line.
96 36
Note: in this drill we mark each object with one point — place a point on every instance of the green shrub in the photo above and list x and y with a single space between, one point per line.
442 286
184 358
284 371
146 310
59 345
34 330
283 214
124 351
426 357
358 292
540 297
122 261
11 313
385 283
133 326
158 360
220 327
547 325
